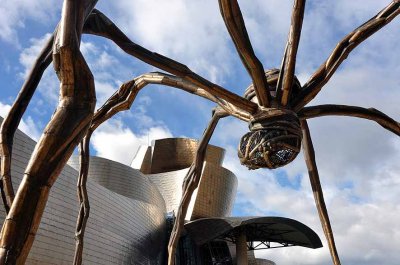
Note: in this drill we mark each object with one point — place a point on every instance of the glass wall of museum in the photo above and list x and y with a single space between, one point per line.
212 253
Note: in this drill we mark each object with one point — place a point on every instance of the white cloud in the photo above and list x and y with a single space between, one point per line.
29 55
191 32
15 14
49 84
27 125
113 140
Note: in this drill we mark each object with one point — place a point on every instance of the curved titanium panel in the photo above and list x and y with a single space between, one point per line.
213 198
173 154
170 186
121 179
120 229
216 193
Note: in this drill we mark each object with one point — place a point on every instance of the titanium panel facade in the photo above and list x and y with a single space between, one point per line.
216 193
173 154
121 179
170 187
127 223
217 189
123 228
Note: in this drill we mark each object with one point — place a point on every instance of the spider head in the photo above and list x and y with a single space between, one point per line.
275 135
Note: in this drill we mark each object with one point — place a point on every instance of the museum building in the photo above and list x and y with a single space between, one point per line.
132 211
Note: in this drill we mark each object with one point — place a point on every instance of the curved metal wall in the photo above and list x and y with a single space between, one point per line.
127 218
123 227
173 154
169 160
214 197
121 179
170 186
216 193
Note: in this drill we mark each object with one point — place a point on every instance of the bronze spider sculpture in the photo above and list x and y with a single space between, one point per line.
274 107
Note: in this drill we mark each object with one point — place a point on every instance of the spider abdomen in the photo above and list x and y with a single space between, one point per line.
274 140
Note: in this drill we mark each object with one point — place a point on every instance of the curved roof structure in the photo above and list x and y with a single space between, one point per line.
285 231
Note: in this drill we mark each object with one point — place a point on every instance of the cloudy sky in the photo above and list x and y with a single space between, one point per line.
357 159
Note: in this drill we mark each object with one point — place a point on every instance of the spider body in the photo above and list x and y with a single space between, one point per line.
275 134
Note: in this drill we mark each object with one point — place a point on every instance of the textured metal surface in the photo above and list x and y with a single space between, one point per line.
217 189
121 179
170 186
272 76
274 140
216 193
214 197
235 24
137 236
172 154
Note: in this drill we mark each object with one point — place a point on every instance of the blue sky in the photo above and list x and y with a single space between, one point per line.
357 159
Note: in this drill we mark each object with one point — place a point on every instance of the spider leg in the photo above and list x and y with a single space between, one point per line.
234 22
342 110
286 75
314 85
191 182
118 102
309 156
13 118
84 206
99 24
64 131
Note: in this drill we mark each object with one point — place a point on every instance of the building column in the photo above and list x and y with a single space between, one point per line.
241 249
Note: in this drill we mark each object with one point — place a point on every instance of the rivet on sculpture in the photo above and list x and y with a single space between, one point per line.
274 107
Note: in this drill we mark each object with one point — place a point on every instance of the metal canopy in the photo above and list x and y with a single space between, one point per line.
264 230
